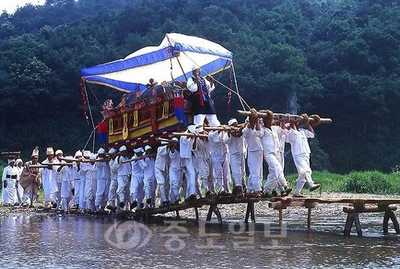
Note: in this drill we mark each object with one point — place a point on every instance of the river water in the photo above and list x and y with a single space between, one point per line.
69 241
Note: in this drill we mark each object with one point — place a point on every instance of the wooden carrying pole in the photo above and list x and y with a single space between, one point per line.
285 117
139 158
223 128
84 160
161 139
49 164
190 134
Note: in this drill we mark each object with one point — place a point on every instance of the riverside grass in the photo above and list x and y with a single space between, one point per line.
372 182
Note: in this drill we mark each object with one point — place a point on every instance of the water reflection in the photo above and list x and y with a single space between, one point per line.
80 242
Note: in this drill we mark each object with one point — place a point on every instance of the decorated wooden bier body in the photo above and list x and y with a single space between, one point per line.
140 119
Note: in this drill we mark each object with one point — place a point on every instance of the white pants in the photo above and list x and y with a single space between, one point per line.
77 186
55 194
211 118
100 192
302 163
190 174
161 181
254 162
137 190
123 181
175 181
47 189
81 194
275 176
89 194
149 186
112 192
236 164
204 173
227 173
218 167
65 194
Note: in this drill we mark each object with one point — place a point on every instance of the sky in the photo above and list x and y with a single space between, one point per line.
11 5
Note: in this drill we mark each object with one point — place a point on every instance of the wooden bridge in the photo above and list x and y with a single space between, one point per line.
353 208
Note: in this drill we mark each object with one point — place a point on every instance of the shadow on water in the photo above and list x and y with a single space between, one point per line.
82 242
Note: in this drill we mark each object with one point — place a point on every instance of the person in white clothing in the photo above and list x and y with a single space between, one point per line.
112 192
252 134
148 176
85 168
124 171
56 180
161 166
202 104
271 145
218 151
137 193
90 183
76 171
66 181
201 152
187 164
103 178
175 171
19 190
9 180
236 146
47 177
298 139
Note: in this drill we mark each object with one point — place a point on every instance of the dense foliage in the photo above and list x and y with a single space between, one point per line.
336 58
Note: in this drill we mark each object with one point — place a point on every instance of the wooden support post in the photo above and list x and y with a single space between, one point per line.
309 221
395 222
214 209
389 214
177 214
358 224
349 223
280 217
197 214
250 212
386 222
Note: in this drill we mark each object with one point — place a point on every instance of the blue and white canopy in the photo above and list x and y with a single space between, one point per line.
173 59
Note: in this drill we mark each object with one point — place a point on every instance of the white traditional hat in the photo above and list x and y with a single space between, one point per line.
232 121
147 147
123 148
92 156
164 142
86 153
195 67
192 128
49 151
101 151
199 128
59 151
78 154
175 139
10 161
138 150
112 150
18 161
35 152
